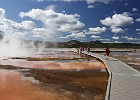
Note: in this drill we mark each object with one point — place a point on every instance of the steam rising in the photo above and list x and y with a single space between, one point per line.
13 46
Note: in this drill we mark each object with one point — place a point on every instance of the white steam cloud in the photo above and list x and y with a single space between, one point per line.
12 45
12 42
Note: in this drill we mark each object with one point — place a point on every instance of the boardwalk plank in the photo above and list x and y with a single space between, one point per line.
124 81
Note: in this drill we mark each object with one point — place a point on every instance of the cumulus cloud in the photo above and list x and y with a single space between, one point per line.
71 27
75 35
25 25
126 4
95 37
117 30
96 30
54 21
104 39
2 13
88 1
63 0
12 34
138 19
50 7
103 1
40 0
134 9
129 38
11 27
41 32
78 35
117 20
134 39
115 37
127 14
137 29
67 0
90 6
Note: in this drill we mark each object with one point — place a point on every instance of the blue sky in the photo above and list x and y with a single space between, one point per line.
64 20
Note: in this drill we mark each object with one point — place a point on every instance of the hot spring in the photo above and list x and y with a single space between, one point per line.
54 74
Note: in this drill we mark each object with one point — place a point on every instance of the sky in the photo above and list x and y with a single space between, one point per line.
116 21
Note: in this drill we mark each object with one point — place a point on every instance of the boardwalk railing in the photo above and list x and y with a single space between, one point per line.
124 81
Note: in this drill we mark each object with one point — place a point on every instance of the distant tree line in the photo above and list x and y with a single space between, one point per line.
96 44
77 44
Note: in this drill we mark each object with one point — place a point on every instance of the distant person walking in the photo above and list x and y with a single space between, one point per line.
134 50
107 51
80 50
88 49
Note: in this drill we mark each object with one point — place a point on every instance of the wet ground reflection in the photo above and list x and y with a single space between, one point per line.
54 64
13 88
52 77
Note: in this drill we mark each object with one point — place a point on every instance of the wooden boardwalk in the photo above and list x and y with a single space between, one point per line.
124 81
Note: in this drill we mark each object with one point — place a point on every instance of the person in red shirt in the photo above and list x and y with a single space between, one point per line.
107 51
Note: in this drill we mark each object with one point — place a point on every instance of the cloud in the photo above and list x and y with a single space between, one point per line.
138 19
127 14
90 6
10 27
50 7
61 0
117 20
115 37
95 37
12 34
96 30
27 25
39 14
75 35
2 13
137 29
63 11
78 35
40 0
104 39
71 27
117 30
41 32
134 9
55 22
88 1
126 4
103 1
68 0
14 26
130 38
